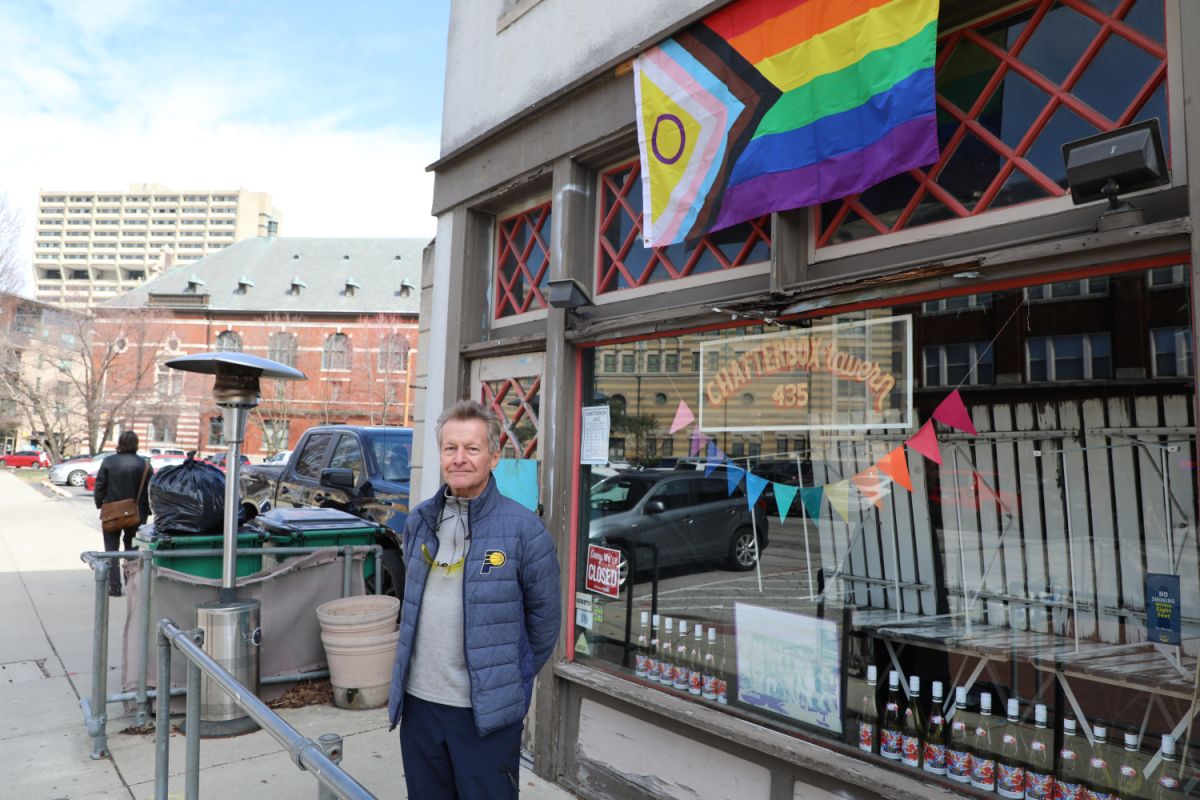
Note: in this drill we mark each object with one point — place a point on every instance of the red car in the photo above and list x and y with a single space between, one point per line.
25 458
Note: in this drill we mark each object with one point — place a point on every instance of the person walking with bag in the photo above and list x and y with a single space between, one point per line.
122 499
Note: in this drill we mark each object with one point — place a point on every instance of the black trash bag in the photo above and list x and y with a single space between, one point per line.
188 498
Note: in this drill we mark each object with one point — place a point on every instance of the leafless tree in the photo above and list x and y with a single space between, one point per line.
277 407
110 363
12 262
386 365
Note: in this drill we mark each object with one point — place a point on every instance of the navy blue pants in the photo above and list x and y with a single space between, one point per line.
445 758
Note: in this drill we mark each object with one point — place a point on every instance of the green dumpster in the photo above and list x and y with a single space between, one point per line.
318 527
164 544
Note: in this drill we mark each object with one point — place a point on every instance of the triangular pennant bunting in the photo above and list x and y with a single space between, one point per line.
683 417
925 442
839 497
754 488
733 476
784 495
811 498
895 466
952 412
699 440
713 458
868 483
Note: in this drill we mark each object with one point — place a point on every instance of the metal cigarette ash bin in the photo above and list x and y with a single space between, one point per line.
232 632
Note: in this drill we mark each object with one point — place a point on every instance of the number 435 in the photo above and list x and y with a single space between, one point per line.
790 395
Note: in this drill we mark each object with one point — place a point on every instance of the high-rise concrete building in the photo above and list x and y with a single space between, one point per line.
93 245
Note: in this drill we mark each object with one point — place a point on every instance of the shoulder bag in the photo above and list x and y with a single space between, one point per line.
121 514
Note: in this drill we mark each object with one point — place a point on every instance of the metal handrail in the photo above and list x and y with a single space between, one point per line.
318 758
95 715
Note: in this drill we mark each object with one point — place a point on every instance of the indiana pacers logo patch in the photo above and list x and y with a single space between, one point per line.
492 558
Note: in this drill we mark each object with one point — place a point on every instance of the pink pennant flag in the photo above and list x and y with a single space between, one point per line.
683 417
698 442
895 466
868 483
952 412
925 442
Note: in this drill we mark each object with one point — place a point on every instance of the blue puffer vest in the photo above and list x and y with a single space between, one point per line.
511 603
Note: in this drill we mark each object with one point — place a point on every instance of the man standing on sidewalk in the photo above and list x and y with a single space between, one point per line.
123 476
480 618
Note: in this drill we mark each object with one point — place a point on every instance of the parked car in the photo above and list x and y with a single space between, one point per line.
166 451
688 518
74 471
167 460
279 458
25 458
360 470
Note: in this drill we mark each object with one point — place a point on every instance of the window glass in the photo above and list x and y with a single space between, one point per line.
1010 560
312 457
347 455
523 261
625 262
393 453
1011 90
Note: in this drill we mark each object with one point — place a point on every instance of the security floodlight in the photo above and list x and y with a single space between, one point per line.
566 293
231 627
1111 164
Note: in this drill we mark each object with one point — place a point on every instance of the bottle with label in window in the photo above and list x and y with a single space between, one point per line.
935 734
1165 779
1072 756
862 718
696 662
983 748
723 662
666 653
958 745
641 653
1129 771
912 732
1010 765
1100 782
652 655
893 719
682 677
1039 771
709 692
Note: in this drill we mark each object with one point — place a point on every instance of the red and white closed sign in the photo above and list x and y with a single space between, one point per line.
603 570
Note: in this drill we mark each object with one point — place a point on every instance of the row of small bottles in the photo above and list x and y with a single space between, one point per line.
1004 755
667 655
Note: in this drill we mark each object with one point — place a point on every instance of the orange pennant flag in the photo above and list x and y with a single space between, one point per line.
868 483
895 466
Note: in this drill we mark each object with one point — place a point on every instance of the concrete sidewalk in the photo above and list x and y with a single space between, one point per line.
46 612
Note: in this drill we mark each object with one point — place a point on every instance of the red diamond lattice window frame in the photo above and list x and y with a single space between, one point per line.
508 245
1060 95
495 400
615 187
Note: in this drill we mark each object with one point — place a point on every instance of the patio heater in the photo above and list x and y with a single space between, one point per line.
231 627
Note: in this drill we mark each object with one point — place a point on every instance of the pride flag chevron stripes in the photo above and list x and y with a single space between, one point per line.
767 105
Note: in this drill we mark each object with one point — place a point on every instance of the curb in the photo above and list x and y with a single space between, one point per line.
57 490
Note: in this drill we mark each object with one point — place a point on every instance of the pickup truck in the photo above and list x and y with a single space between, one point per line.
360 470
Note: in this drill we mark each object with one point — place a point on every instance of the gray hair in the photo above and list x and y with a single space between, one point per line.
470 409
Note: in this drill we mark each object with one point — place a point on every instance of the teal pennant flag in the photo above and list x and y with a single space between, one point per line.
733 476
754 488
784 495
812 500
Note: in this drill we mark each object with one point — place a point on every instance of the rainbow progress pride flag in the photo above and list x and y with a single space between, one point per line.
774 104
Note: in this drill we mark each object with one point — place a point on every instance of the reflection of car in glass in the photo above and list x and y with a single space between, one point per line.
689 518
279 458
